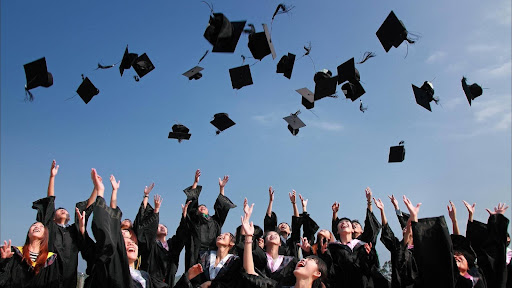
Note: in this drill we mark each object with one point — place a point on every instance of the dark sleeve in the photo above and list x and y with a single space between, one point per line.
84 242
259 258
106 228
403 218
87 249
371 228
146 226
309 227
334 228
257 281
291 243
184 282
476 233
193 196
388 238
45 210
221 207
270 223
433 252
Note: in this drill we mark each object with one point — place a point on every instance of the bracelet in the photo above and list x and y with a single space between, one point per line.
293 202
369 202
146 196
248 241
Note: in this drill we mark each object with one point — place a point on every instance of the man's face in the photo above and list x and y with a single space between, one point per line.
272 237
284 228
202 209
345 226
357 227
61 215
225 239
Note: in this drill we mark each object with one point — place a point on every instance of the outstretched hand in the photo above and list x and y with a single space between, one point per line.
55 169
81 220
335 207
115 185
293 196
147 189
247 208
452 212
247 228
413 210
194 271
224 181
197 175
158 202
270 194
304 244
5 251
98 182
184 208
500 209
368 247
368 193
304 202
393 201
378 203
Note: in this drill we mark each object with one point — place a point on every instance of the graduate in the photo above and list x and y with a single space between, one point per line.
203 228
309 272
64 239
287 237
30 265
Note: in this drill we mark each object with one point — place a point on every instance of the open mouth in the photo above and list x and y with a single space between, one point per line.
301 264
131 250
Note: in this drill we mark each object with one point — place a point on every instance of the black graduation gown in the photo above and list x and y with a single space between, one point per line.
203 231
289 246
489 243
348 268
403 266
160 263
65 241
110 268
283 275
16 273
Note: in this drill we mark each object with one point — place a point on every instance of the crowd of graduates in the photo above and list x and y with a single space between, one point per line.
139 253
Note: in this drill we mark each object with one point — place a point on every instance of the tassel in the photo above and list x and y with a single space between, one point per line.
204 55
28 95
104 67
282 9
367 55
209 6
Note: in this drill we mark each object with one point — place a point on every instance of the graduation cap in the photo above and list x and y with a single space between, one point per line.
294 123
179 132
463 246
285 65
348 72
221 121
353 91
392 32
127 61
194 73
424 95
325 84
222 33
240 76
308 98
37 75
472 91
397 153
261 45
87 90
142 65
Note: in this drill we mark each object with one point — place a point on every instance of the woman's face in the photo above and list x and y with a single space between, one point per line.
132 250
273 238
224 239
306 268
36 231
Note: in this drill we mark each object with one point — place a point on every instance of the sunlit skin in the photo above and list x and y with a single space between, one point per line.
224 239
202 209
306 272
132 250
272 238
462 263
358 230
61 216
407 241
126 223
162 230
36 231
284 229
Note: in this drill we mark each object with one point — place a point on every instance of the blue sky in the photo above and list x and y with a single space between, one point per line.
454 152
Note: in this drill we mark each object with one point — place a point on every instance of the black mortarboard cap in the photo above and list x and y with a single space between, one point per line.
472 91
392 32
348 72
353 91
142 65
396 153
179 132
424 95
240 76
462 245
294 123
37 74
194 73
308 98
325 84
285 65
221 121
222 33
87 90
261 45
127 61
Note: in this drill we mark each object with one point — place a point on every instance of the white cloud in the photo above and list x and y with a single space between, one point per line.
451 103
480 48
495 114
328 126
438 55
264 119
500 14
495 71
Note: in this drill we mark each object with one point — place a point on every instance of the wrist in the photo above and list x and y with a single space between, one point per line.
146 196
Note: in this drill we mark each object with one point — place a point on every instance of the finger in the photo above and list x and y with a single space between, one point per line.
489 211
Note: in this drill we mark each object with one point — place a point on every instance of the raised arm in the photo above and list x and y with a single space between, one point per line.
452 212
270 201
222 183
248 231
414 210
293 198
380 205
115 187
335 207
81 220
471 210
147 190
368 193
51 184
304 203
196 179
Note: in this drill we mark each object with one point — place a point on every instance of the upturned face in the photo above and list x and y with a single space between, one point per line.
272 238
345 226
132 250
462 263
306 268
284 228
61 215
202 209
162 230
357 228
324 234
224 239
36 231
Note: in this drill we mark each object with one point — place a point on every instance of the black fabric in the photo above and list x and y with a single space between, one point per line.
288 247
65 241
489 242
228 276
283 274
257 281
203 231
14 272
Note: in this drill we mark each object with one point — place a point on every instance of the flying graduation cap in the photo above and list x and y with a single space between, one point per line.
392 32
261 45
285 65
424 95
294 123
472 91
180 132
194 73
222 33
240 76
308 98
141 64
127 61
87 90
37 75
221 121
397 153
325 84
347 71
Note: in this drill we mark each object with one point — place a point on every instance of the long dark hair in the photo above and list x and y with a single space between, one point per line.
322 268
43 250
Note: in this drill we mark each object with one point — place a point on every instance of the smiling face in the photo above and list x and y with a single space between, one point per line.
272 238
307 268
358 230
284 229
202 209
36 231
61 216
345 227
225 239
162 230
132 250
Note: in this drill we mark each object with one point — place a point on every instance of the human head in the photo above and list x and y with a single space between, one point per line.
508 239
61 216
202 209
126 224
131 245
311 268
345 226
324 234
462 263
358 229
272 238
284 229
36 233
162 230
225 239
